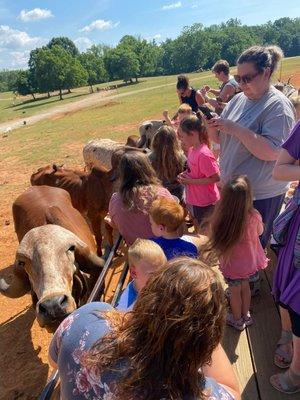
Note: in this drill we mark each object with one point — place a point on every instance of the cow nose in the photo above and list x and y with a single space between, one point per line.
54 306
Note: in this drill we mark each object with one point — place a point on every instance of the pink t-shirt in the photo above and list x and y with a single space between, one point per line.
202 164
133 224
247 256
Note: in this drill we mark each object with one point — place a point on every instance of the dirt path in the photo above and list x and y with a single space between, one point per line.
91 100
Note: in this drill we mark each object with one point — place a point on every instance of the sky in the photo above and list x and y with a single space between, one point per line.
25 25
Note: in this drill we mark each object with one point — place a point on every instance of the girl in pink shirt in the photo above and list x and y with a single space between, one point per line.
234 230
203 171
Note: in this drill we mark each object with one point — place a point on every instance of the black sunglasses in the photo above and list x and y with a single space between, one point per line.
246 78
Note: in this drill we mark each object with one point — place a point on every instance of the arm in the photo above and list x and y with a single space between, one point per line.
199 98
215 91
259 146
227 91
179 97
285 168
213 132
221 370
167 118
184 179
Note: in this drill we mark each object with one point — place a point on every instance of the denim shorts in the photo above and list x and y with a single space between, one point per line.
235 282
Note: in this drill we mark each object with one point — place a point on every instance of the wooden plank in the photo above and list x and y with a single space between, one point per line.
236 347
263 336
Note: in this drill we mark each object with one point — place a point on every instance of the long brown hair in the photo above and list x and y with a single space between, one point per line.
176 323
227 223
138 180
195 123
167 156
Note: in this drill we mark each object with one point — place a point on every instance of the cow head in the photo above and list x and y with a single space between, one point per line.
147 131
52 175
45 264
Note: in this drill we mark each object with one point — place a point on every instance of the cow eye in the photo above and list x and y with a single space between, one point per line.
21 263
71 248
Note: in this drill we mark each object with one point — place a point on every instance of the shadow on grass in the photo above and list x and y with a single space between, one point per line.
35 103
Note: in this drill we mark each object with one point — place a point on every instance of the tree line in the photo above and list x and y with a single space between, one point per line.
60 66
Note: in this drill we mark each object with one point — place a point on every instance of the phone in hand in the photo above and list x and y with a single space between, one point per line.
206 111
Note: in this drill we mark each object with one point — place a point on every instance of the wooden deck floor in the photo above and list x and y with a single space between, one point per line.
251 351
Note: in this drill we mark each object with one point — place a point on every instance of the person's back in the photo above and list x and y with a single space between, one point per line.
100 353
128 208
182 246
144 257
167 219
167 159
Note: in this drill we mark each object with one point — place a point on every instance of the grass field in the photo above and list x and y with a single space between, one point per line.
54 139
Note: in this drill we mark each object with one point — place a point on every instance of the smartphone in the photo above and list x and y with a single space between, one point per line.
206 111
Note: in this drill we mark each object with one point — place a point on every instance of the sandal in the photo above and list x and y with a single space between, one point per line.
283 382
283 357
238 324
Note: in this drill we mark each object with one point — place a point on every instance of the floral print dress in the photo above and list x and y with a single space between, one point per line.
70 343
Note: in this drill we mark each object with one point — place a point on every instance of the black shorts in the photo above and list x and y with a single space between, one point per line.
295 319
200 213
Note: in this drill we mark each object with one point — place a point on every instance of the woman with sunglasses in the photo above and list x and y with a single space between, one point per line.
252 128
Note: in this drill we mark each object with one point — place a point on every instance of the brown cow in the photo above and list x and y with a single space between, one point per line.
90 191
56 258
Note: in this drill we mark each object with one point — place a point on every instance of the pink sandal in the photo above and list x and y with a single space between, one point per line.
283 382
282 357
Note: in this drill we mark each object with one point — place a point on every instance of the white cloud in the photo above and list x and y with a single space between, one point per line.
195 6
172 6
156 37
83 43
15 47
99 24
35 14
15 39
19 59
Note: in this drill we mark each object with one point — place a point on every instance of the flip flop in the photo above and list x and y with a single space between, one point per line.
283 359
283 383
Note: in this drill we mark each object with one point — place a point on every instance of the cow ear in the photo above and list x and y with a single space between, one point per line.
25 248
55 167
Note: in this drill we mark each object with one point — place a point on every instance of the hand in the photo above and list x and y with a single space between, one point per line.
166 114
207 88
184 178
107 220
224 125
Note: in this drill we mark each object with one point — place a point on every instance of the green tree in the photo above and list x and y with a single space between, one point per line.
94 67
65 43
22 84
122 63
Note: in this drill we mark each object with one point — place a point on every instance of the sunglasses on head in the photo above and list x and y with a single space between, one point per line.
246 78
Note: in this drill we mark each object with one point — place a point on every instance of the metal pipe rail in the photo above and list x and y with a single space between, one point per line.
50 386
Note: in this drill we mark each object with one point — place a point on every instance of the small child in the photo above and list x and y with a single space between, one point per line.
166 218
144 257
203 171
234 230
184 110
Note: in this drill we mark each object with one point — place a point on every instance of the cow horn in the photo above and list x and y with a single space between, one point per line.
19 285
